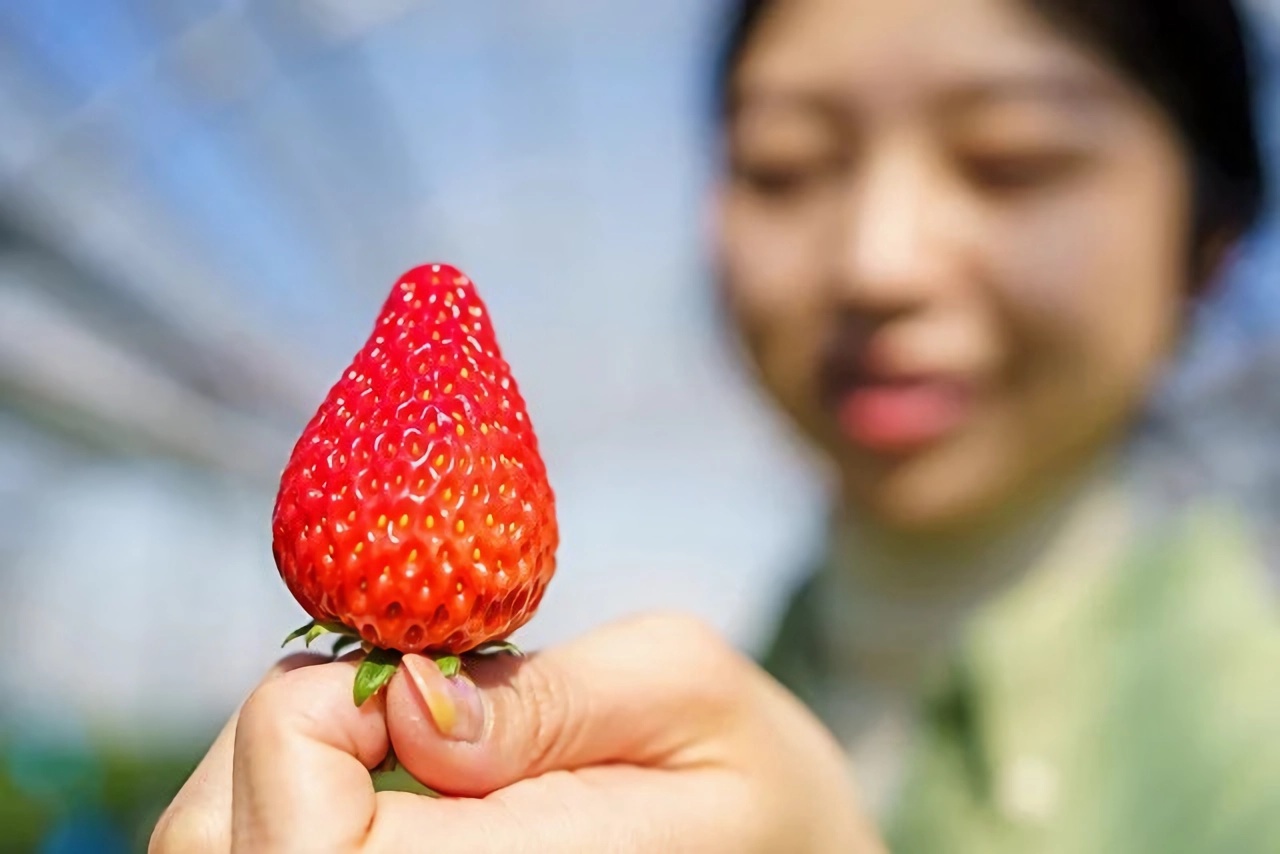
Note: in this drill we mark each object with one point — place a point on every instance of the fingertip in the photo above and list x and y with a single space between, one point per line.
296 661
438 727
315 701
322 681
453 702
302 741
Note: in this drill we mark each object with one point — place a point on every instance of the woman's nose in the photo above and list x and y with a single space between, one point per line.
892 237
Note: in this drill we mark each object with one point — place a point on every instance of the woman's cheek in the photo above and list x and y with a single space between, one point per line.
1083 297
1098 268
771 257
1053 271
774 286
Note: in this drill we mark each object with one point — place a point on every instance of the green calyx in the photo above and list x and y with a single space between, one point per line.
379 665
315 629
375 671
496 647
376 668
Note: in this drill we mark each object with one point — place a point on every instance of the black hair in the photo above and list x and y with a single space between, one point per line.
1190 56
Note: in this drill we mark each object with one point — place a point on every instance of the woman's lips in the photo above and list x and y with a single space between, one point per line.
902 415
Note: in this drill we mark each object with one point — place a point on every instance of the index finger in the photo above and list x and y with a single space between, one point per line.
303 751
199 817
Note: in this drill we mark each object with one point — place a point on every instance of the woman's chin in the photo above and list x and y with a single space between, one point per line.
940 492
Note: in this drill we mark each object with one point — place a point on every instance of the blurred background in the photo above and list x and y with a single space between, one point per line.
202 205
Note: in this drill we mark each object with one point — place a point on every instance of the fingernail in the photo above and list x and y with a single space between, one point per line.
454 703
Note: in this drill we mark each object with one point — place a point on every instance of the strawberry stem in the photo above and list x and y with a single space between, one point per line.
391 776
389 762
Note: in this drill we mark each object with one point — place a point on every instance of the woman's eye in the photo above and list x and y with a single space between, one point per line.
1015 172
777 180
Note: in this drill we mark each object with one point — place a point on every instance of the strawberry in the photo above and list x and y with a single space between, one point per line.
414 514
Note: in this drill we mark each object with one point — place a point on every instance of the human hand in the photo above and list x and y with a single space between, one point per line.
650 735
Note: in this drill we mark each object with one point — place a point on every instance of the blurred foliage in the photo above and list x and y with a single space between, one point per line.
72 801
101 801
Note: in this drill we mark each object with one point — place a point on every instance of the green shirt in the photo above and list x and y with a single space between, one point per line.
1129 708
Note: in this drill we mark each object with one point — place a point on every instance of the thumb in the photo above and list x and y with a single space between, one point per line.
656 691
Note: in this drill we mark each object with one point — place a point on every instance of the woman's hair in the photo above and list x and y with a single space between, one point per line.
1189 55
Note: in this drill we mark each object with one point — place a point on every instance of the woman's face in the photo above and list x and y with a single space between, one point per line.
955 243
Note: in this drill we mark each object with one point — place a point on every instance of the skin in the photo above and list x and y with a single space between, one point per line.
647 735
952 188
917 186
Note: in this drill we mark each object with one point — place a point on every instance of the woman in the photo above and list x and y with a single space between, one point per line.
959 239
961 248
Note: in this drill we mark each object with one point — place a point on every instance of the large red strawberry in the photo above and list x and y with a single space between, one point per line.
414 514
